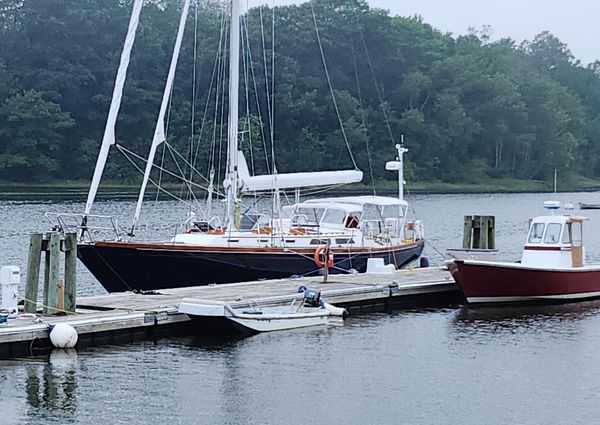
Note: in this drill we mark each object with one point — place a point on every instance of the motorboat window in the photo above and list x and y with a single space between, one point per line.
577 233
536 233
552 233
319 241
566 237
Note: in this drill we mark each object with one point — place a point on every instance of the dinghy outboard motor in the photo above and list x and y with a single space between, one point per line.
312 298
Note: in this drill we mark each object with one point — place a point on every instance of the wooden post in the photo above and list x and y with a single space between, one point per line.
467 232
491 232
60 296
70 248
33 272
52 272
483 231
326 262
45 245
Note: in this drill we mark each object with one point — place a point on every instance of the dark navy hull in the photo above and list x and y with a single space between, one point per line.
125 266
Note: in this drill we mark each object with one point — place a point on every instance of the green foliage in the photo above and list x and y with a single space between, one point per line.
471 110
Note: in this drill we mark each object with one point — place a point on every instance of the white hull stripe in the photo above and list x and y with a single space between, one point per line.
580 295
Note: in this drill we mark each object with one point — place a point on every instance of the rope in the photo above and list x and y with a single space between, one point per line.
36 303
331 87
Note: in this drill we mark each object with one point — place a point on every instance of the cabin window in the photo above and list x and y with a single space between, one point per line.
566 237
334 216
577 233
536 233
552 233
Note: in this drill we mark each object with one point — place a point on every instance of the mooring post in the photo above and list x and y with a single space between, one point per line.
326 262
33 272
468 232
483 232
70 248
52 272
60 295
491 232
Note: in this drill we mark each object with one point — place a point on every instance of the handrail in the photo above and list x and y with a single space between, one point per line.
80 223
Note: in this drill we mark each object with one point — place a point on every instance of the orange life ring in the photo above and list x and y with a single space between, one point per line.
320 259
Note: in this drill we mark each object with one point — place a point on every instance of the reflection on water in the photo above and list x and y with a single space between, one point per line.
526 316
54 386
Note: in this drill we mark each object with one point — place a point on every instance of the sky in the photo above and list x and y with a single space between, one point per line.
574 22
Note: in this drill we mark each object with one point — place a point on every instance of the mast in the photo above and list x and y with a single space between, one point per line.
401 150
159 132
231 182
109 130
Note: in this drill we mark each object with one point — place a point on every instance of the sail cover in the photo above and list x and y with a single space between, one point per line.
270 182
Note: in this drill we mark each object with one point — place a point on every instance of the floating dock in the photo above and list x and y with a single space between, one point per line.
122 317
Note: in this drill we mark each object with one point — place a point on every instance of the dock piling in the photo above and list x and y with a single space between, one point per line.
33 272
58 295
479 232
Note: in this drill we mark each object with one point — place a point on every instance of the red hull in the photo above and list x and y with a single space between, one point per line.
485 282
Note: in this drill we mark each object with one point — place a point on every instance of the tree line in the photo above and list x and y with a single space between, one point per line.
470 109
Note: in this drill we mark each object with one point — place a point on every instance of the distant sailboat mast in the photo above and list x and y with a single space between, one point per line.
159 132
109 131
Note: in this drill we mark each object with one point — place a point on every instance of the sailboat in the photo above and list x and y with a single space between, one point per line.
340 234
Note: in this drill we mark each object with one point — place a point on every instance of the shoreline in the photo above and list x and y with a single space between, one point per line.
111 190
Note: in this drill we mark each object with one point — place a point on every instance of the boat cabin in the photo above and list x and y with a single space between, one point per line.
554 241
373 215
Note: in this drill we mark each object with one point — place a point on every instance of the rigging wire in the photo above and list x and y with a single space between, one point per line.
331 87
258 108
129 153
362 116
125 153
379 95
264 54
246 94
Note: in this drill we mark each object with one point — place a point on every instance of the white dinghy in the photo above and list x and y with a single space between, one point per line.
309 311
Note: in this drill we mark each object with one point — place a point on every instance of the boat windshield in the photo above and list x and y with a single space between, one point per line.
536 233
553 233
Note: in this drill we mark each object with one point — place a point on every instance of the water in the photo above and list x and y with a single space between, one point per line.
485 365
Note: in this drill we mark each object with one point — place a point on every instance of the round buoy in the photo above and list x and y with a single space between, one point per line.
63 336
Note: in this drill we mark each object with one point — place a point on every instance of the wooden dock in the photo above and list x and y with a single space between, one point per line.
120 317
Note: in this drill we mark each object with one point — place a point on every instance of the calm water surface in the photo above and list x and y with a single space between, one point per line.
486 365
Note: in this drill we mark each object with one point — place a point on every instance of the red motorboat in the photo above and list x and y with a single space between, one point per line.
552 267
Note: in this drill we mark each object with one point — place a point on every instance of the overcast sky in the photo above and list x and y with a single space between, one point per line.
575 22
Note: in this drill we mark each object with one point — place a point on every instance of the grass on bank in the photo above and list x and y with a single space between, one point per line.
383 187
